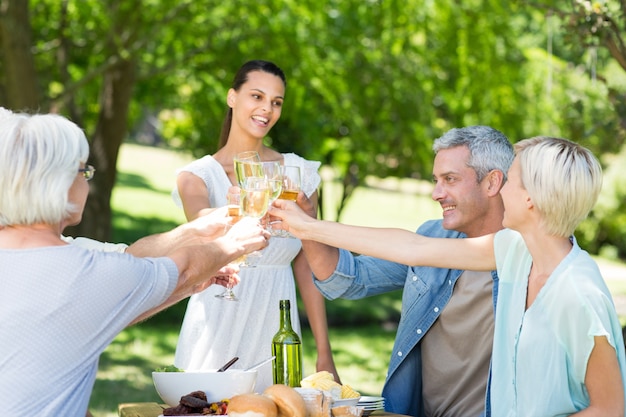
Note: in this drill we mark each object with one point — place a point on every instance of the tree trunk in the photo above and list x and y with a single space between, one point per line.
21 82
111 130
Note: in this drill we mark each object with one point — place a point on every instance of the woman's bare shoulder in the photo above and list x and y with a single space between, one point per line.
272 155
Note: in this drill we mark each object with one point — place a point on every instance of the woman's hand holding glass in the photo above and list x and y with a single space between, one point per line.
246 232
234 212
227 277
294 217
238 207
253 203
291 186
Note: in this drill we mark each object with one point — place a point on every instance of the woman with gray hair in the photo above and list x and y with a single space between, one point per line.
63 304
558 346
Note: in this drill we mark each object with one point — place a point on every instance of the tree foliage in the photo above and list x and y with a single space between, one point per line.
593 37
371 83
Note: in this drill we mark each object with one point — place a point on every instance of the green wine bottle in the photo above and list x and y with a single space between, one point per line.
287 348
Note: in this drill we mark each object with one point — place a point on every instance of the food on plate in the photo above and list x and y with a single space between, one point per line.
288 402
195 404
325 381
348 392
252 405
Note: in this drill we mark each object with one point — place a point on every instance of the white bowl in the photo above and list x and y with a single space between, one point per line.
217 385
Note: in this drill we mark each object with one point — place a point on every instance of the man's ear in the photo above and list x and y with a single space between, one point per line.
495 181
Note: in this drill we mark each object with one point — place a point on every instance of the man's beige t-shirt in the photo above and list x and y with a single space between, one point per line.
457 349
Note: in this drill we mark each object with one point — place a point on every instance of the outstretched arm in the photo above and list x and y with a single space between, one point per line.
395 245
315 307
200 260
202 229
322 258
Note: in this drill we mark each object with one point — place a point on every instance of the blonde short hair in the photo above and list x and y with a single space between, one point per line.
39 160
563 179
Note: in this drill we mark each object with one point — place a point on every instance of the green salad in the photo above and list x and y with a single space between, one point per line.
169 368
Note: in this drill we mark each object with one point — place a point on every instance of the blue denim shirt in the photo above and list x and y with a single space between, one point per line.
426 292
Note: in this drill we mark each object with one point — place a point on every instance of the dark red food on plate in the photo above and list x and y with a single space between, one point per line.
195 404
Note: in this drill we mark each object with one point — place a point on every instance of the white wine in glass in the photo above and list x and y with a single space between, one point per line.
243 165
255 196
292 183
272 170
288 195
274 173
276 187
247 164
254 202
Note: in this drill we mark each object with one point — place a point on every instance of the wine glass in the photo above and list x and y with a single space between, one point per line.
247 164
234 210
273 173
292 184
248 156
253 202
272 170
255 197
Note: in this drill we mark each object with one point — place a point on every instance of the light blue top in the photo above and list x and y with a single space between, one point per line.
61 307
540 355
426 291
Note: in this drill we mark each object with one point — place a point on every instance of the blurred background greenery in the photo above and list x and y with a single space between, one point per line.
370 82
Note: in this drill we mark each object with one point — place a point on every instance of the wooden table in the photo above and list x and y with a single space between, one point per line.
154 410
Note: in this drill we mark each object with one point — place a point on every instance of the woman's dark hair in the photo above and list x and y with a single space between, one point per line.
240 78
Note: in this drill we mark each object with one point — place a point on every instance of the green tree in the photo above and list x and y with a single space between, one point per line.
590 35
370 83
85 59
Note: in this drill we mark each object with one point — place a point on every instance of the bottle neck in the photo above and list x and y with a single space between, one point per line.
285 317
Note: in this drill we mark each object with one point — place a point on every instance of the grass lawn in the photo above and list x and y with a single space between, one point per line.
361 344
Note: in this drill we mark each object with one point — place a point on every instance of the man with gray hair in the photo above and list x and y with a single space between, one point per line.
440 361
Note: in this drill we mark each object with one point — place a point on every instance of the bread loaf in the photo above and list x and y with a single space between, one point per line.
288 402
252 405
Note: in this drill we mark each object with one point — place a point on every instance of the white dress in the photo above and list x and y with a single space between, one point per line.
216 330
